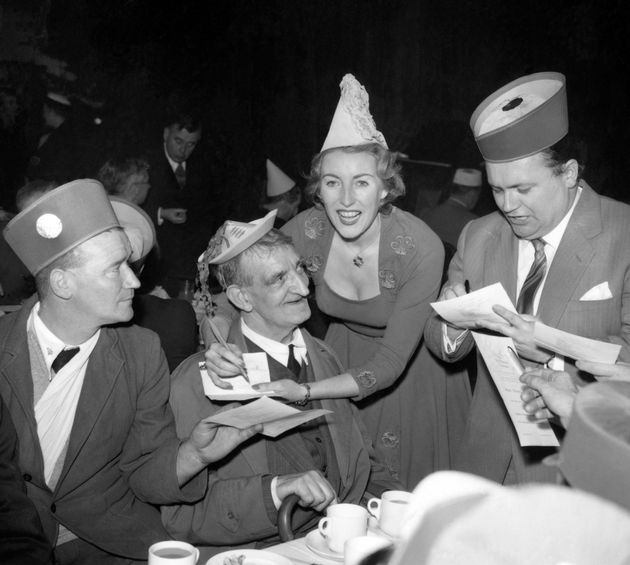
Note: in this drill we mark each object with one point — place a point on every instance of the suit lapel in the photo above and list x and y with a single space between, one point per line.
572 258
16 370
501 260
103 369
339 428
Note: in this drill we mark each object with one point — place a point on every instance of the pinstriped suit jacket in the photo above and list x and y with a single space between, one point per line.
595 248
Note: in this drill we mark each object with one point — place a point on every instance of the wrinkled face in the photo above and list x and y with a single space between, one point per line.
278 292
180 143
351 192
103 285
530 196
137 187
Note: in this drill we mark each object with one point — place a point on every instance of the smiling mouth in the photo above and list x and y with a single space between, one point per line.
348 217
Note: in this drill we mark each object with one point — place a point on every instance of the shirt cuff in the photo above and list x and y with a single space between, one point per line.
450 345
274 493
556 363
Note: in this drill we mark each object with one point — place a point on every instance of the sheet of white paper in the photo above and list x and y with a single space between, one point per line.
257 367
475 306
241 389
494 350
575 346
275 416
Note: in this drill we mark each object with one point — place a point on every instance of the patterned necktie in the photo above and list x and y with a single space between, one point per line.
293 364
64 356
180 175
525 303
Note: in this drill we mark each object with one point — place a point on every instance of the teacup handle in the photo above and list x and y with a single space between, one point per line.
196 555
374 507
323 526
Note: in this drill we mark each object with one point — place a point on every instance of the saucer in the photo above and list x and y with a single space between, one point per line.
252 557
317 544
375 530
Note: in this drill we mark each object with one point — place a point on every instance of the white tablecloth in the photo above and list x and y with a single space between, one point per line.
299 554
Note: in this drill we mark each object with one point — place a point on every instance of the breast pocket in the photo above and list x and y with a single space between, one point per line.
593 318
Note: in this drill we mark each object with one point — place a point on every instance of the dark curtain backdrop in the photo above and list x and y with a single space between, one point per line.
265 73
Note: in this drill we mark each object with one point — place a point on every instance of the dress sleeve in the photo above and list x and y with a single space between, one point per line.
419 285
434 333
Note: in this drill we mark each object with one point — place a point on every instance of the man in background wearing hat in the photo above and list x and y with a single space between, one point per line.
449 218
97 445
57 156
561 251
282 194
323 460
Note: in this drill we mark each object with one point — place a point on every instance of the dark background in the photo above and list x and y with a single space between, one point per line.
265 75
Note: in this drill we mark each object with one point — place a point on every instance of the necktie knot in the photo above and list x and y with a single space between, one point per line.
293 364
63 358
539 245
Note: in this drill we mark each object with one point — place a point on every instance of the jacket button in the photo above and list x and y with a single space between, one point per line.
53 508
27 477
230 515
318 439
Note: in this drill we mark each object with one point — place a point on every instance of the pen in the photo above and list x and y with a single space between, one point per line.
220 339
516 360
467 286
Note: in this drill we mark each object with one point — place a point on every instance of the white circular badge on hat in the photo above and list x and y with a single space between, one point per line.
48 226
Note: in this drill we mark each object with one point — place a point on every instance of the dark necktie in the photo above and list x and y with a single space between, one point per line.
180 175
293 364
525 303
64 356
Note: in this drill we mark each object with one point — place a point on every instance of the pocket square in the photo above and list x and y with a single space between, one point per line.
598 292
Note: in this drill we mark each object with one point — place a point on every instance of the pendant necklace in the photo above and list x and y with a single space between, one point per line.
358 260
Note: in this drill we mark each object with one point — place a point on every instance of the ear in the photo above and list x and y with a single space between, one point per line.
165 134
570 173
239 297
61 284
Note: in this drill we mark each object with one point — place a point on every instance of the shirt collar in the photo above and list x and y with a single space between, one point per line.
279 351
172 163
49 343
554 237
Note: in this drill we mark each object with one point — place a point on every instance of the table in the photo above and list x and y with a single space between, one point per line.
299 554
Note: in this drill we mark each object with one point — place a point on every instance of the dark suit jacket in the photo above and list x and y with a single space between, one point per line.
22 539
448 219
173 320
595 249
234 512
181 244
122 451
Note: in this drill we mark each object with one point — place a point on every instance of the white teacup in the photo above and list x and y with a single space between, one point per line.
173 552
343 522
390 510
357 549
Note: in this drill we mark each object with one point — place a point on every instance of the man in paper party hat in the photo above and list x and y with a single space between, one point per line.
282 194
561 251
449 218
323 460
